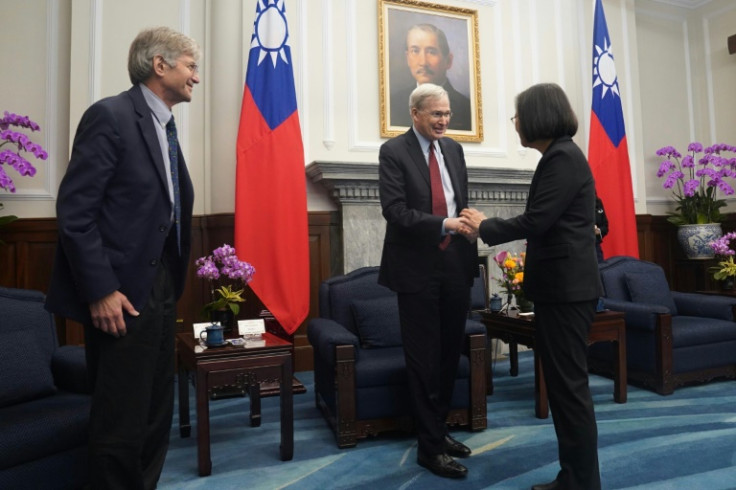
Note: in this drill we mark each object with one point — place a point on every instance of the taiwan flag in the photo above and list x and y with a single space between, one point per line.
270 187
608 152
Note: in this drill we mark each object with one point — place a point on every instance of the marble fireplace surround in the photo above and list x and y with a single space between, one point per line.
498 192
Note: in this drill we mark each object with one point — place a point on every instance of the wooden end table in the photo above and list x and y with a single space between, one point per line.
607 326
265 361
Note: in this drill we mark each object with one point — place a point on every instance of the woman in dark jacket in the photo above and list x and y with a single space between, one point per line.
561 273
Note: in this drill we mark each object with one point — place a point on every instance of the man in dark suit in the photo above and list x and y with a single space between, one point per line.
124 217
428 57
560 274
423 184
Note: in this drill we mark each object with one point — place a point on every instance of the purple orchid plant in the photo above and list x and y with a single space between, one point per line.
726 267
224 263
18 144
695 182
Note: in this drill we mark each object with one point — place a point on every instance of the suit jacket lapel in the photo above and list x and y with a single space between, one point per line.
417 155
145 123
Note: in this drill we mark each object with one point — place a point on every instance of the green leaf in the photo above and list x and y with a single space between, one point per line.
6 220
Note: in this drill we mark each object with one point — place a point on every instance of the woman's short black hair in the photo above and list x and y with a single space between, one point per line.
544 112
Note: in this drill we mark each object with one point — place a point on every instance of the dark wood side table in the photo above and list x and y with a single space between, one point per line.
607 326
267 361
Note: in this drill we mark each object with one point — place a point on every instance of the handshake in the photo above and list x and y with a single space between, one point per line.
467 224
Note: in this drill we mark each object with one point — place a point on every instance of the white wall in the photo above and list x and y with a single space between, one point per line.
675 74
687 79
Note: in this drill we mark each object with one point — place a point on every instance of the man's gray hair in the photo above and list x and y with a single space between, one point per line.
161 41
423 92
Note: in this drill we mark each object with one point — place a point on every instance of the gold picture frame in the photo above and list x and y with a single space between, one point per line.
400 70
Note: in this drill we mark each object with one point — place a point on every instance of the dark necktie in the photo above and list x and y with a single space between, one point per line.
439 204
174 164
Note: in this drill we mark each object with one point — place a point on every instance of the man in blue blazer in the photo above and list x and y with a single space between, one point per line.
124 214
429 265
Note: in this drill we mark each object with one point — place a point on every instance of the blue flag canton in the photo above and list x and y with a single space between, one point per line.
270 77
606 95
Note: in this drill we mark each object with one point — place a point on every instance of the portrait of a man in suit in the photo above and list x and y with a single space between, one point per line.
429 58
426 43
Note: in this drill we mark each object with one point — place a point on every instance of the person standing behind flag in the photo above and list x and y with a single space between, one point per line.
560 273
601 227
124 214
423 183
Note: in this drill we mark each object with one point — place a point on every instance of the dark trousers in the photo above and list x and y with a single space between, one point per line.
133 398
432 331
562 333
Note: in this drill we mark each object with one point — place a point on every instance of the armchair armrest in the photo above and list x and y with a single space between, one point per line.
473 327
475 332
325 335
69 367
704 305
637 315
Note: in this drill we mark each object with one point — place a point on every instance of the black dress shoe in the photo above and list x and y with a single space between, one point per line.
442 465
456 448
553 485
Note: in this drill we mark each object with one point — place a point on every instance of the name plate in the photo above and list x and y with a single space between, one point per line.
198 327
254 327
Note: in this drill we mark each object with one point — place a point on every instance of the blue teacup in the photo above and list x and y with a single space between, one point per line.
214 335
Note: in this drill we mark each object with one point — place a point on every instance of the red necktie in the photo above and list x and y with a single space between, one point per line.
439 204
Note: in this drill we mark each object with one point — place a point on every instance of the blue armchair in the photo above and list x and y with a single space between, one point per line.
672 338
44 399
359 369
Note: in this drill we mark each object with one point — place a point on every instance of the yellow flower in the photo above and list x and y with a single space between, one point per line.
509 263
519 277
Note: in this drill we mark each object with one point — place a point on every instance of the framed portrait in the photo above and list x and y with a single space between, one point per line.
424 42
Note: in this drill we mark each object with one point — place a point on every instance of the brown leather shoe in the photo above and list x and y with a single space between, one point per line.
553 485
442 465
456 448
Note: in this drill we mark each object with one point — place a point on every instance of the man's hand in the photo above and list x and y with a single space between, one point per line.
107 313
471 218
457 225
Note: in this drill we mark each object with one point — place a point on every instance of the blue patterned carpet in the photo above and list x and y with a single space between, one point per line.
682 441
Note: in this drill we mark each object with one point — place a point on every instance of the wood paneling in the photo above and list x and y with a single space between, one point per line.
26 260
27 257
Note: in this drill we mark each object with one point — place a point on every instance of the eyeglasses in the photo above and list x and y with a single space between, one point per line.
513 119
192 67
439 114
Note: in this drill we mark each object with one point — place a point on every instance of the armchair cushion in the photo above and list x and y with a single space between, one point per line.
704 305
650 287
377 320
24 378
25 357
689 331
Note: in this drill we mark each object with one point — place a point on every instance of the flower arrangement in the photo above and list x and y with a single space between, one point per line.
695 184
224 263
512 273
726 268
14 157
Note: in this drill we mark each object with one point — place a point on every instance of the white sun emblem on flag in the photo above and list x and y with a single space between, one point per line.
604 70
271 33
